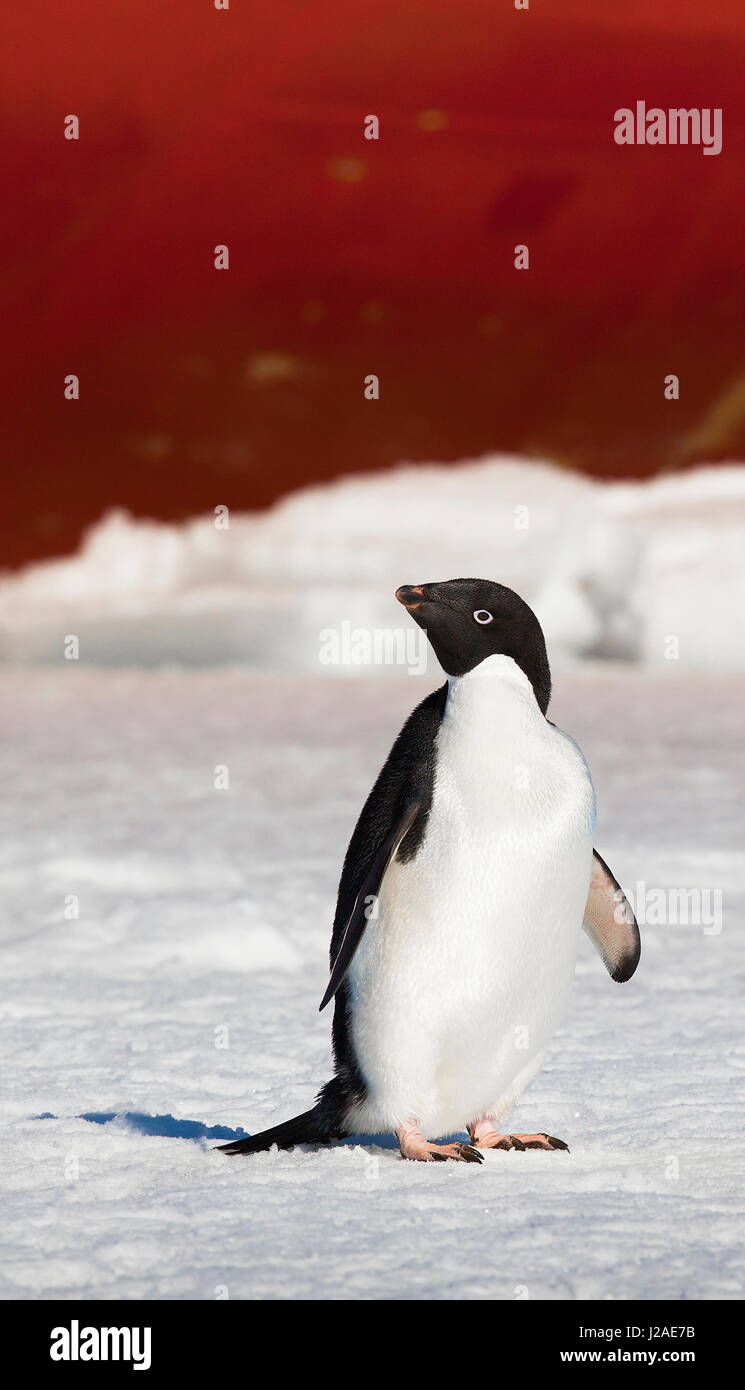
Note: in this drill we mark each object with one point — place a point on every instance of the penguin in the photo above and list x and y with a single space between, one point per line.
468 877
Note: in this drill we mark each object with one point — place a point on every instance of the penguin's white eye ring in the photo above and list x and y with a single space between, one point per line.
483 616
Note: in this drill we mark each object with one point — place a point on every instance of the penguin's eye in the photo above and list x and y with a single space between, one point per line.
483 616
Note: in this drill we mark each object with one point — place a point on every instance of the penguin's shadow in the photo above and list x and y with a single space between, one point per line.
168 1127
157 1126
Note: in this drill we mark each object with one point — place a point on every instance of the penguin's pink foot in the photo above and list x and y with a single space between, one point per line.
413 1145
484 1136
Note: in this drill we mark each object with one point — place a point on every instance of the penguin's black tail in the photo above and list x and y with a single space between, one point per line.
311 1128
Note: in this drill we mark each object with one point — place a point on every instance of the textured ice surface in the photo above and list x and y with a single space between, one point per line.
202 910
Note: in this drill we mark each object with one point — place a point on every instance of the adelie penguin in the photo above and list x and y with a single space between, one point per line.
468 877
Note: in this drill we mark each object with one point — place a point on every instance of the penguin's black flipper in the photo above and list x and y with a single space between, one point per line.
610 923
368 890
395 811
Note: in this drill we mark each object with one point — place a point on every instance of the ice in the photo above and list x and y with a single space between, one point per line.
203 910
613 569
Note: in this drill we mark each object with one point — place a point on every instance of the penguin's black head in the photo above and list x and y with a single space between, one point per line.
467 620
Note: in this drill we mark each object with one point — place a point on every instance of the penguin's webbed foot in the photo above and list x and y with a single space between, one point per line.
484 1136
414 1146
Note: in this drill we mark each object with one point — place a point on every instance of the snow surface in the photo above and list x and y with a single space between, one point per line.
202 909
611 569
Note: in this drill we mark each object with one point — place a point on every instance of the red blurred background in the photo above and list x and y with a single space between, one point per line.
349 256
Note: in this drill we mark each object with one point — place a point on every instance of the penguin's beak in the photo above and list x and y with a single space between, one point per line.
437 618
410 595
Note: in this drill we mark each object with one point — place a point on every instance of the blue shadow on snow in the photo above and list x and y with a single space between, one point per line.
160 1126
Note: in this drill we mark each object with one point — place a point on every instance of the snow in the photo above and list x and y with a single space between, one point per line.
612 569
203 910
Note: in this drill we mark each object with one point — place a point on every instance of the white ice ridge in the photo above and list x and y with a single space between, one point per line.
644 571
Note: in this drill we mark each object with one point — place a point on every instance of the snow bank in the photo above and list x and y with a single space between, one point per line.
649 572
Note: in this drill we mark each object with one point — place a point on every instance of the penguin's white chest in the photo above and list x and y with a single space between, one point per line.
459 983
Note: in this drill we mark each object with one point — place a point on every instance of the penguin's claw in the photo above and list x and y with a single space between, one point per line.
466 1153
489 1139
440 1153
540 1141
415 1147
